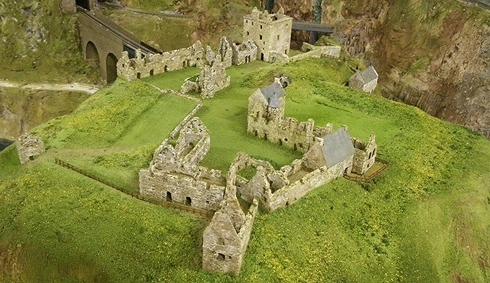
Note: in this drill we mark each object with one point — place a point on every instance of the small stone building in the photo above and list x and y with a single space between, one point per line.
331 150
29 147
365 155
365 80
270 32
226 238
174 174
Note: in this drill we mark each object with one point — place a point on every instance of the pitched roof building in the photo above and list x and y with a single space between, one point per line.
365 80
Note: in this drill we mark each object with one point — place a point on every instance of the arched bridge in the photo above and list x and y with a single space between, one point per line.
103 40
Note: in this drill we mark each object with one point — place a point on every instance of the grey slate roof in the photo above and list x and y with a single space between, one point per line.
272 94
337 146
369 74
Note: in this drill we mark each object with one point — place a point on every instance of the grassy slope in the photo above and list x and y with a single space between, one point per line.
426 219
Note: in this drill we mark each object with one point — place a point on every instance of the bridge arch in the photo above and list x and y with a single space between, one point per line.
111 68
91 53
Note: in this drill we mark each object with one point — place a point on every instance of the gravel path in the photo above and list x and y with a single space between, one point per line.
90 89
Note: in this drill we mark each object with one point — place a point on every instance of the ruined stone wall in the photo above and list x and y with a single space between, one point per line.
270 32
225 52
296 190
331 51
365 155
224 246
174 174
244 53
29 147
213 78
153 64
270 124
180 188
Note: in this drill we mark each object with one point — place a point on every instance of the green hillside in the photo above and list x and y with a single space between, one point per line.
425 219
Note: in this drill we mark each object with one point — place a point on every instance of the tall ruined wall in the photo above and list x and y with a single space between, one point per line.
181 189
244 53
213 77
29 147
224 246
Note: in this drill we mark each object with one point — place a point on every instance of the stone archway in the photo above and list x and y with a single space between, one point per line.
91 53
111 68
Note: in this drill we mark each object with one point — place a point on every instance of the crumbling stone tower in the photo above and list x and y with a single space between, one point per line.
270 32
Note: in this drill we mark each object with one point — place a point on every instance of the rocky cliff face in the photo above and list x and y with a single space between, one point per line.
36 37
20 110
432 54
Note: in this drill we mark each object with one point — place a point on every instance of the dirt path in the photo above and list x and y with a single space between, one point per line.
90 89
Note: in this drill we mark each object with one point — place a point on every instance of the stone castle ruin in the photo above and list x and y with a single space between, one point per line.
226 238
266 120
174 173
270 32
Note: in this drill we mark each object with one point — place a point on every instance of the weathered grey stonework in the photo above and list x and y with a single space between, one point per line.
225 241
244 53
365 80
212 78
365 155
174 174
331 51
153 64
225 52
266 120
29 147
279 188
270 32
68 6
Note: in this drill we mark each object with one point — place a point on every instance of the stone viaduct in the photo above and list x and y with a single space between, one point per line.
102 40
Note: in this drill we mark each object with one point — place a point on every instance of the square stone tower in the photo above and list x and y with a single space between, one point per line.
270 32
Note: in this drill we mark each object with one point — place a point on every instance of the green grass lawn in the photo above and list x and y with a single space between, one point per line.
425 219
173 80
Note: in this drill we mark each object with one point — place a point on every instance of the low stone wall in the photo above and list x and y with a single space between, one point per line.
296 190
180 188
310 51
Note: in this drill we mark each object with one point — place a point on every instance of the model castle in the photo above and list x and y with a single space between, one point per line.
175 174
